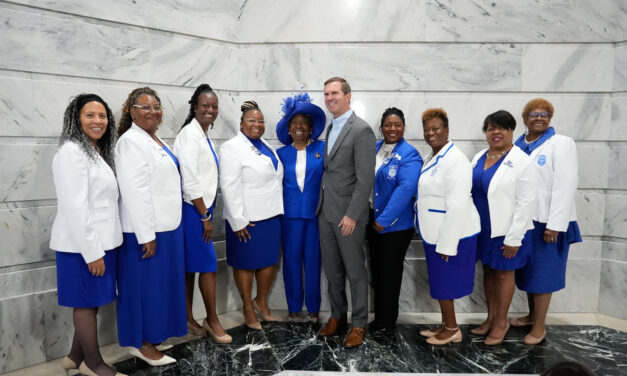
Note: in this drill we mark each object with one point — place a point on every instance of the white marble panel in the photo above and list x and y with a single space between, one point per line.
542 21
581 293
213 19
33 42
615 250
616 215
613 295
280 67
586 250
590 212
331 21
20 113
582 117
620 67
619 117
363 20
196 61
25 235
22 330
27 282
586 68
617 167
26 172
593 165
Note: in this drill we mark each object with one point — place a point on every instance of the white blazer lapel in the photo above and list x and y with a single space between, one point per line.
504 169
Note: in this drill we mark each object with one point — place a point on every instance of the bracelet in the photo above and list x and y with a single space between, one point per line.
206 217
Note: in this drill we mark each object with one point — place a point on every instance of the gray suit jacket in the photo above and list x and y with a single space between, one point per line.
348 175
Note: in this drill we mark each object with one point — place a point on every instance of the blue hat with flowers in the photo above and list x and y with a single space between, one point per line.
300 104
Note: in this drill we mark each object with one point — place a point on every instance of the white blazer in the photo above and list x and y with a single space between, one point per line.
252 189
87 220
199 170
556 164
444 207
512 196
150 186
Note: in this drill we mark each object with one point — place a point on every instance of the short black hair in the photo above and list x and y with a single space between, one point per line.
501 119
392 111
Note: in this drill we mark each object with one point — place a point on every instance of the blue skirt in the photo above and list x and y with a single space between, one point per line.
456 278
151 292
258 252
78 288
200 256
547 272
490 253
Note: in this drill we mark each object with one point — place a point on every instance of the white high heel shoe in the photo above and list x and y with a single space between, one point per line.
156 362
84 370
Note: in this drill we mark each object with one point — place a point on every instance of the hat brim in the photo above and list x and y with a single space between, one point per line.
318 118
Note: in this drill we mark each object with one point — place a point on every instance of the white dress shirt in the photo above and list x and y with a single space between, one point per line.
87 220
150 186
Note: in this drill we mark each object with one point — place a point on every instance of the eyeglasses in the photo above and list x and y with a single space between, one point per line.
254 121
147 109
539 114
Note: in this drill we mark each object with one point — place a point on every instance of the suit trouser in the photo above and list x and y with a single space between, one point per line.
301 247
387 254
344 256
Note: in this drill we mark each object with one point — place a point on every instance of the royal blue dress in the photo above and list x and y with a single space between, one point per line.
263 248
489 249
200 256
455 278
151 292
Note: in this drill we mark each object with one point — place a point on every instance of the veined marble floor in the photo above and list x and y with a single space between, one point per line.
598 341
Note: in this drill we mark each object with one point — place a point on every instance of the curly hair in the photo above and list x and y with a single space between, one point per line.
537 103
431 113
125 119
248 106
73 131
203 88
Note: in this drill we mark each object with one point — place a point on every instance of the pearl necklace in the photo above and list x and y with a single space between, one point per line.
532 141
497 156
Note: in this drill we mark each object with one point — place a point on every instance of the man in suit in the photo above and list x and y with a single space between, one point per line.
347 182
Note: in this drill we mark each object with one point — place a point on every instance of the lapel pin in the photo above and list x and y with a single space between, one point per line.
317 155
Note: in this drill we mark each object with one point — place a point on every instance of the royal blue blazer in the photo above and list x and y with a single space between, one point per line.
297 204
395 187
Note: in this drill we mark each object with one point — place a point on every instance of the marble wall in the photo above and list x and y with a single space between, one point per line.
470 57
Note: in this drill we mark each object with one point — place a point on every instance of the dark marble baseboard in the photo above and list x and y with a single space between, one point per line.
289 346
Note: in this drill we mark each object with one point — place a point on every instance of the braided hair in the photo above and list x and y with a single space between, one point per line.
73 131
203 88
125 119
248 106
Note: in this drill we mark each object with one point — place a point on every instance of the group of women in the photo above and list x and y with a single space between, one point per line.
135 216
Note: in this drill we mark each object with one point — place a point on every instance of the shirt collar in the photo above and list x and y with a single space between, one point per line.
342 119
